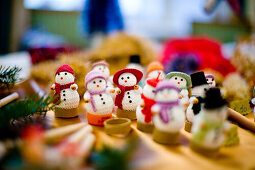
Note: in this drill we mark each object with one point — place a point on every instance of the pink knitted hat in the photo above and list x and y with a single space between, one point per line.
65 68
169 84
92 75
102 62
209 76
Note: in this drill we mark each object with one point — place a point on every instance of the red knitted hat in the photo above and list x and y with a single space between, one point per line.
138 74
65 68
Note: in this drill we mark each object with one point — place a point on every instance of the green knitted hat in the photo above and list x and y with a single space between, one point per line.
181 74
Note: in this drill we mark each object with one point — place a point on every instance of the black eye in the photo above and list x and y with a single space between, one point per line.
99 68
181 79
100 81
65 73
175 78
122 78
58 74
104 67
206 79
205 89
153 91
127 77
94 82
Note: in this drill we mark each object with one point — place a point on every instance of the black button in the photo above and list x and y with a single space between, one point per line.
129 97
64 99
130 101
100 95
128 92
64 95
64 91
103 102
102 98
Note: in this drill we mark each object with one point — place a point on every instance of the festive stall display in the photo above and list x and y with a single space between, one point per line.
210 80
143 111
199 87
65 92
154 68
183 82
99 103
169 115
128 92
210 126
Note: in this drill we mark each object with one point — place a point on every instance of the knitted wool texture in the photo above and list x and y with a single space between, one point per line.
180 74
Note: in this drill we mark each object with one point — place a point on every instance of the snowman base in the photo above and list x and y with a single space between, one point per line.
165 138
126 114
66 113
98 120
211 152
188 126
145 127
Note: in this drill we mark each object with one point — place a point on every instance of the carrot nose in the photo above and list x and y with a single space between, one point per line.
103 71
97 85
178 82
61 78
125 81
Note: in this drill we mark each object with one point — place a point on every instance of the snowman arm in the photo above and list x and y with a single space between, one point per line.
110 90
86 97
253 100
155 109
139 89
142 103
193 100
184 92
53 87
74 87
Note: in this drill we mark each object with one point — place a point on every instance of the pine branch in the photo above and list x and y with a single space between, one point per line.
8 76
23 109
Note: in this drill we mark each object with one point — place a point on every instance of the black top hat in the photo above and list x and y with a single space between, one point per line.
135 59
213 99
198 79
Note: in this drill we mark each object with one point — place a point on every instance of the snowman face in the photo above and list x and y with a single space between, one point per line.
167 95
136 66
211 81
127 79
103 69
149 91
217 115
96 85
200 90
180 82
154 74
64 78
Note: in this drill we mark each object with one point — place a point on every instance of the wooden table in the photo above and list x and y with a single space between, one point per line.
151 155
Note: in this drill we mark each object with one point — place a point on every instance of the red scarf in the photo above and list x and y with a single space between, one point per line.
58 89
119 97
147 108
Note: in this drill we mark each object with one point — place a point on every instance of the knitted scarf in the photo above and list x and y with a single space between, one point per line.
164 106
119 97
92 99
58 89
147 108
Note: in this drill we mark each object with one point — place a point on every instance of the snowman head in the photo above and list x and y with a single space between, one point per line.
199 84
200 90
182 80
149 88
155 73
101 66
64 75
154 68
167 91
127 77
210 80
95 81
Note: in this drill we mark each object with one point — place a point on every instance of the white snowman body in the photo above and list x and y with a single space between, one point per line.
214 138
69 98
211 81
103 101
197 91
155 73
132 98
149 92
176 113
105 70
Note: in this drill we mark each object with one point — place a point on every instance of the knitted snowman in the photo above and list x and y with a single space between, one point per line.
210 126
199 87
169 115
65 92
183 82
143 111
103 67
128 92
154 68
210 80
99 103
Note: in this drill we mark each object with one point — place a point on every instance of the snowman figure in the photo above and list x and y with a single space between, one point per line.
210 126
199 87
154 68
143 111
169 115
210 80
65 92
183 82
99 103
128 92
103 67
